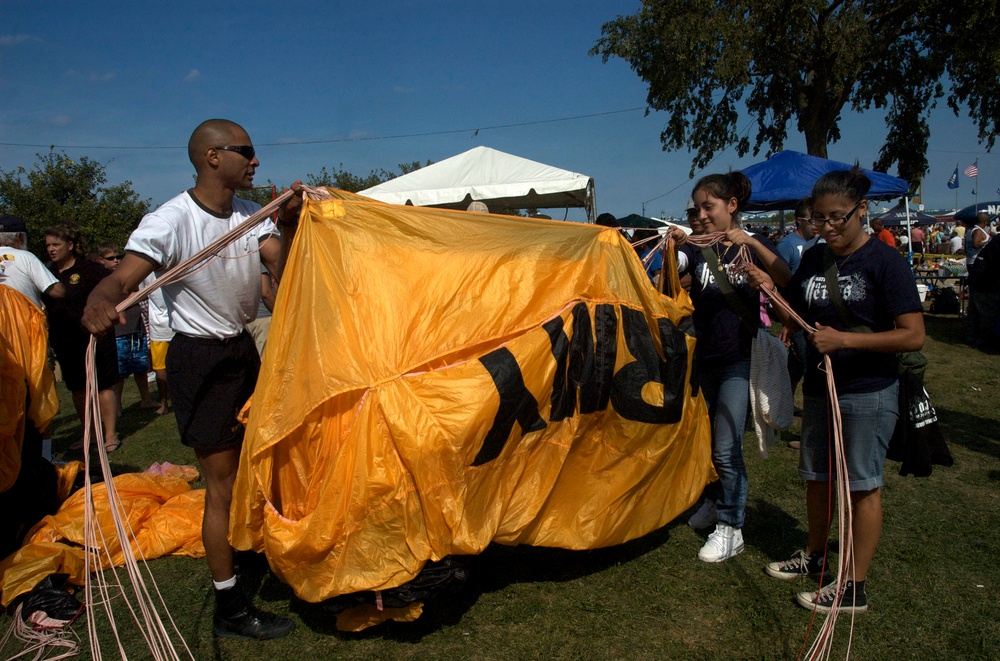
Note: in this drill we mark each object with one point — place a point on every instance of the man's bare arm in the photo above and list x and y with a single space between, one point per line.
274 252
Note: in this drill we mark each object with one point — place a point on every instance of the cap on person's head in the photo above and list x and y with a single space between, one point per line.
10 223
607 220
691 206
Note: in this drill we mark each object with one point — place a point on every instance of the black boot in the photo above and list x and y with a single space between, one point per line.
236 617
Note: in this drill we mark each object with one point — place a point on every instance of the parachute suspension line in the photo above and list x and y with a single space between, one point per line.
98 549
41 641
822 645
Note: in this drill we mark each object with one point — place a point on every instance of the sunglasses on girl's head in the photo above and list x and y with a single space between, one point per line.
246 151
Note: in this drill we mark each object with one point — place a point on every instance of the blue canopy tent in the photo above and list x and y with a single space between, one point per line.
788 176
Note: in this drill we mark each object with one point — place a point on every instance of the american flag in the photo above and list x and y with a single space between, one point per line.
972 170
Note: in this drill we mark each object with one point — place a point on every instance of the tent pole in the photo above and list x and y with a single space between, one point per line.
909 234
592 203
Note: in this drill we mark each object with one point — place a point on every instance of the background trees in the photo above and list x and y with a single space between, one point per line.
352 183
58 188
804 61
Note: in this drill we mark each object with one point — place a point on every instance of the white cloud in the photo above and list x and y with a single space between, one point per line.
192 76
15 39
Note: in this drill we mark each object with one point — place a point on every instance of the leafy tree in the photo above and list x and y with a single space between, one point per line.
804 61
352 183
262 195
59 188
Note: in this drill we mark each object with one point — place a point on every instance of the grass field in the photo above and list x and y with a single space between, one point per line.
932 587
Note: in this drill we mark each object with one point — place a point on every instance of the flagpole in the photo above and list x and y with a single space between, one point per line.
977 185
956 188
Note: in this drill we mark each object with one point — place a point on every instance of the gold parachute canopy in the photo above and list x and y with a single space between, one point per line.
438 380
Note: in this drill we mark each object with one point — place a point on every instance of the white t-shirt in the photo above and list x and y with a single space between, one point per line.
21 270
219 299
159 321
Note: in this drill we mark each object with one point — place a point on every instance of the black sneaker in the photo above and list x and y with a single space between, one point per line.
236 617
846 600
799 565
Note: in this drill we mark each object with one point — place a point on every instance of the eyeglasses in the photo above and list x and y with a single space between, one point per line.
835 221
246 151
110 258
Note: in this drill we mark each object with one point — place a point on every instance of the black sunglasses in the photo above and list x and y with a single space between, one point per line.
113 257
836 221
246 151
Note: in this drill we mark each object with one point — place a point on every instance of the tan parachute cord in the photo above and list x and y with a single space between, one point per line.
821 647
40 641
151 625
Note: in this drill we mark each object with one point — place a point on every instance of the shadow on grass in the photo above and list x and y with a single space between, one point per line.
492 570
946 328
970 431
773 531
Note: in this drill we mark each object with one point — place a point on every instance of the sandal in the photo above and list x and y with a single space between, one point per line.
77 447
111 447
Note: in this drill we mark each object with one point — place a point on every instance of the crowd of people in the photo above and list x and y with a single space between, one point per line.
853 288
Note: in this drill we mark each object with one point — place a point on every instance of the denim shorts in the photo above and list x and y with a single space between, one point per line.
133 354
868 422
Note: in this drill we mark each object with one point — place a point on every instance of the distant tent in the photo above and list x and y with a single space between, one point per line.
499 179
897 216
969 213
635 220
788 176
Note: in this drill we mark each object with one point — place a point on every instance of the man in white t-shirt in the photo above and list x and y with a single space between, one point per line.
212 362
21 270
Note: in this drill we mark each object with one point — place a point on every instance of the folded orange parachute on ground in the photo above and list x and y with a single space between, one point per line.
438 380
163 511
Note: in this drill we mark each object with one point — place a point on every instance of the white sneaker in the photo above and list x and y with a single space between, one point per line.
722 544
705 516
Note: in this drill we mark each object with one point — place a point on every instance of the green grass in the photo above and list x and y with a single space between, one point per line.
932 587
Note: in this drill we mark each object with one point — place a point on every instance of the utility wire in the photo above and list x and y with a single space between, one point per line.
688 180
336 140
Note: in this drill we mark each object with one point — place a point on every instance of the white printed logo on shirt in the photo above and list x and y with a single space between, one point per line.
704 275
852 288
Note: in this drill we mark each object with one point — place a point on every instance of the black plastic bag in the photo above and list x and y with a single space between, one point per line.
49 596
917 441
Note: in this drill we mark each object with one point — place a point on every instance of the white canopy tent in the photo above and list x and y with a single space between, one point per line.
496 178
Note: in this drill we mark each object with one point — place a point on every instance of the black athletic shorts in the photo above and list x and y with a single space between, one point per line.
210 381
71 352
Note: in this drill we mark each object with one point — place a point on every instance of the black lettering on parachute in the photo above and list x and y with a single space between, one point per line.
585 367
591 368
626 395
516 403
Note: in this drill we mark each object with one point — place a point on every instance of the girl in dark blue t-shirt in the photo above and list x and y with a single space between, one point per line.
881 316
725 324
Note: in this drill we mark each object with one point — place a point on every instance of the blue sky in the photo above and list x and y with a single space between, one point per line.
129 81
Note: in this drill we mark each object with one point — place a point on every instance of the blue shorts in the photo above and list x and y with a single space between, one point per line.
868 422
133 354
